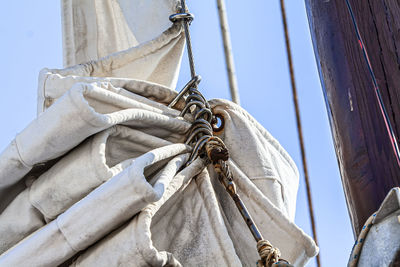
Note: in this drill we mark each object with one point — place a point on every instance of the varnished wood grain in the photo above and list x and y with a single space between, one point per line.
366 160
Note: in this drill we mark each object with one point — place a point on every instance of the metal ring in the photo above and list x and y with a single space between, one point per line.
195 91
201 123
195 80
198 104
204 131
181 16
202 112
199 145
194 97
217 128
202 126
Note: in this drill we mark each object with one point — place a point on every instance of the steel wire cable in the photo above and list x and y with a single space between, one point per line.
299 126
212 148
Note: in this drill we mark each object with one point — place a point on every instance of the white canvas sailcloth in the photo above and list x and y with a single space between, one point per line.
98 179
93 29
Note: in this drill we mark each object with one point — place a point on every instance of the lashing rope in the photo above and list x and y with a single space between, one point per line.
268 252
211 147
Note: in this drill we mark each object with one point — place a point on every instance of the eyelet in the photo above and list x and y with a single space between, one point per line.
218 123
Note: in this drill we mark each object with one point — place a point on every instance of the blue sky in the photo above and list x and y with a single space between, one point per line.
31 40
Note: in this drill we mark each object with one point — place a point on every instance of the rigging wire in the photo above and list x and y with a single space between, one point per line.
226 39
389 128
201 138
299 126
186 23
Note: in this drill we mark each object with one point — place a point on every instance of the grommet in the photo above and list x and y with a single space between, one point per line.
218 123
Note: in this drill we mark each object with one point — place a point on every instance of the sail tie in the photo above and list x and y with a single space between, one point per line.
268 252
212 148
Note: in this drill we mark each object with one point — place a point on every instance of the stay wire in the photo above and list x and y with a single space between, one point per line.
188 41
389 128
299 126
201 138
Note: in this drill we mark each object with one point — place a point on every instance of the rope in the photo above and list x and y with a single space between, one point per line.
389 128
230 65
358 245
299 127
218 155
268 252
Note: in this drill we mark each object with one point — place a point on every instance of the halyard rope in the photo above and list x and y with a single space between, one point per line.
299 127
211 147
268 252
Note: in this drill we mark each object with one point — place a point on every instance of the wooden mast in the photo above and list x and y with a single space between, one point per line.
367 162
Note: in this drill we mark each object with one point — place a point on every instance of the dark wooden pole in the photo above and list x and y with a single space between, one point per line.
365 155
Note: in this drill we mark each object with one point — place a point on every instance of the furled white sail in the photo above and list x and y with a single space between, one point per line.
99 178
96 28
93 29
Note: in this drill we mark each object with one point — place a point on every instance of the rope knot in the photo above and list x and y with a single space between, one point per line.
216 150
268 254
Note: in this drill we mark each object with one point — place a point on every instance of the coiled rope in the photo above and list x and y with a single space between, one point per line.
211 147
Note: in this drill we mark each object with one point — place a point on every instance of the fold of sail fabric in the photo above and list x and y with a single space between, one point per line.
93 29
99 178
190 219
107 153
